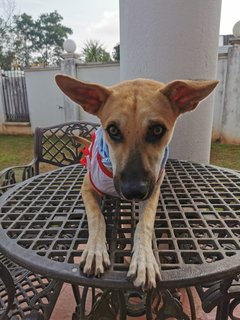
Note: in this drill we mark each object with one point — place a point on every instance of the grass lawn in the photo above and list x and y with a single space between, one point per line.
225 155
16 150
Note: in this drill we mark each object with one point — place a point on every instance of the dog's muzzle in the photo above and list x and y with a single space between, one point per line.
134 190
132 187
134 182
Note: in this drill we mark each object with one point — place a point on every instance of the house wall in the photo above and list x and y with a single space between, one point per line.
106 74
226 120
44 98
230 130
46 103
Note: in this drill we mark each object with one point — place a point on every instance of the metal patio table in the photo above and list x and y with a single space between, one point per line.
196 240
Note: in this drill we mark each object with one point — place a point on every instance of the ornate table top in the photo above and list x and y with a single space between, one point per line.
197 228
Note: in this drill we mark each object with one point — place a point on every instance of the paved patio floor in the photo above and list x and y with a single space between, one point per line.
66 305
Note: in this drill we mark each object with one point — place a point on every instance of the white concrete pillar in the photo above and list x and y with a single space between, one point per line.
174 39
219 95
69 67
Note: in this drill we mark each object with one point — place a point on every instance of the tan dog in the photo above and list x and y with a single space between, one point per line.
138 119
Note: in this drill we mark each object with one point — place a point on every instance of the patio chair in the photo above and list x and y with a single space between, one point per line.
23 294
53 146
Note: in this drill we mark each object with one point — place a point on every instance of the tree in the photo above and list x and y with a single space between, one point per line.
116 53
93 51
6 60
7 8
40 41
26 41
24 36
50 35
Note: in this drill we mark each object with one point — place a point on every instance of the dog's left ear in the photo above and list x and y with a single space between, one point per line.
185 95
90 96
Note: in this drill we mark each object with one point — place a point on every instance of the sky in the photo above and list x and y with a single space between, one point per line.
99 19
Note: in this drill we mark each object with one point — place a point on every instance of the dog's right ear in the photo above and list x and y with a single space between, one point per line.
90 96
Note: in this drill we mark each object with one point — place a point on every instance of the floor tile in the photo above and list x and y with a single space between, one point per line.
66 305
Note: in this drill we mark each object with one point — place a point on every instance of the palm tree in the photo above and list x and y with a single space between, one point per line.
93 51
116 53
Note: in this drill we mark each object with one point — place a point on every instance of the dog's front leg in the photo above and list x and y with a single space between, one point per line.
144 269
95 256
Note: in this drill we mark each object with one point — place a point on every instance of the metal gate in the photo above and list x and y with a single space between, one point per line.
14 93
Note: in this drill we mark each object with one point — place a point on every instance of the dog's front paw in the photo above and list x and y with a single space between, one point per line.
144 270
94 258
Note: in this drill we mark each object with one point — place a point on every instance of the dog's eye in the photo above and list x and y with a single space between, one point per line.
114 132
155 132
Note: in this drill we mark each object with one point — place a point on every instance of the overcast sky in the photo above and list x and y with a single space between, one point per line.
99 19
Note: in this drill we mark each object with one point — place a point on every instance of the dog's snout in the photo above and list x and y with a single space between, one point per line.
134 181
137 190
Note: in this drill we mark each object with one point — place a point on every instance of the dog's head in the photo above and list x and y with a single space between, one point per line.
138 119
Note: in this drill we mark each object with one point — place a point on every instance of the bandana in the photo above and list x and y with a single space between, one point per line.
98 163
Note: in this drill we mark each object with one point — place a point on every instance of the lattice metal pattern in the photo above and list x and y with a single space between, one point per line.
55 145
33 292
197 219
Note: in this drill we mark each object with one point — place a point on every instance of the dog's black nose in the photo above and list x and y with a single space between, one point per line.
134 190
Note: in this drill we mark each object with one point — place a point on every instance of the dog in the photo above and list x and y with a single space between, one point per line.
137 123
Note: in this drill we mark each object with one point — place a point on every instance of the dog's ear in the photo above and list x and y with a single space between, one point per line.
90 96
185 95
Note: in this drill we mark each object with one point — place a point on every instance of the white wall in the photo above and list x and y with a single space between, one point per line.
231 111
226 120
106 74
44 98
46 101
219 96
